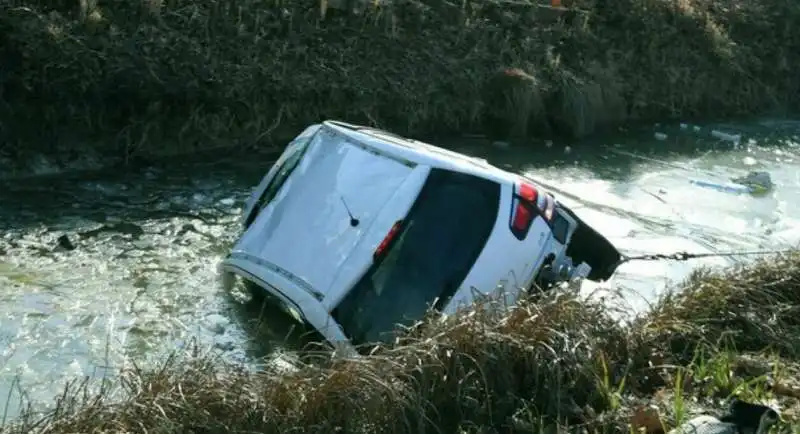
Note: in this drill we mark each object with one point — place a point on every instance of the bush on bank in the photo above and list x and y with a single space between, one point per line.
154 76
559 362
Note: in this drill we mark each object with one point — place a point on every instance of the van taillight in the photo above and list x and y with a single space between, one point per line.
524 209
387 240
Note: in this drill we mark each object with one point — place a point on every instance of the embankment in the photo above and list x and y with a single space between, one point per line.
150 77
559 361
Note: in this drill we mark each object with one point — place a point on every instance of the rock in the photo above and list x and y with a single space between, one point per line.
646 420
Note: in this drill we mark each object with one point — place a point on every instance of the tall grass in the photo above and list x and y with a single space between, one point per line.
554 364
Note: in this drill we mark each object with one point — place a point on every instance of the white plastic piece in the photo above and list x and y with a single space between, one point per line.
660 136
725 136
582 271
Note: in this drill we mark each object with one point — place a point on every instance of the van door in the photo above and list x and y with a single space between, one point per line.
519 243
588 245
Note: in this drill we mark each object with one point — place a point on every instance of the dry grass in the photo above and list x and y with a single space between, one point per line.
559 361
153 77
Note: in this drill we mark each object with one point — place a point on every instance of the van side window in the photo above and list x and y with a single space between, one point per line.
294 153
560 228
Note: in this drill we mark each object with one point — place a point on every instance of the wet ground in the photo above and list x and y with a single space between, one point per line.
142 277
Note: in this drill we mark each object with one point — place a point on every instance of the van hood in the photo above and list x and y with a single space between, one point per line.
306 232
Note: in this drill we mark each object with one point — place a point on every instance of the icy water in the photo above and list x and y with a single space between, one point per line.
142 279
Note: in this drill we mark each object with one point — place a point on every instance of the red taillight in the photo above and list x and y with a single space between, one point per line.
387 240
524 209
522 217
528 192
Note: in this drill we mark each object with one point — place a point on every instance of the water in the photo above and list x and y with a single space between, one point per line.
143 281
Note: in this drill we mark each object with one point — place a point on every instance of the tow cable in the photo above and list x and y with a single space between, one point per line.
685 256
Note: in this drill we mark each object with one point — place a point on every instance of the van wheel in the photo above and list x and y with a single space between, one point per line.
257 293
542 280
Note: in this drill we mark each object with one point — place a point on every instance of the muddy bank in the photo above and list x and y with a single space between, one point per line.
152 77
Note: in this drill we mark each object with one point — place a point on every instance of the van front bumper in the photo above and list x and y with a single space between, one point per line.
306 305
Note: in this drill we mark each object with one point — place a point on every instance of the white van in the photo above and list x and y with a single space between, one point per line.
356 230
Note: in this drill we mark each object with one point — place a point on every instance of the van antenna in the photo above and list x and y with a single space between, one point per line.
353 221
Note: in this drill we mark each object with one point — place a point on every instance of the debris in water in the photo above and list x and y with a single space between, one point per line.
65 243
125 228
684 126
197 197
749 161
217 323
754 183
696 129
760 182
726 136
500 144
75 368
660 136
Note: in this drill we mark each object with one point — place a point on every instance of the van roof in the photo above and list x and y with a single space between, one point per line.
420 152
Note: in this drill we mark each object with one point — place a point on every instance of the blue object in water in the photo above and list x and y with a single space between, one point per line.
726 188
755 183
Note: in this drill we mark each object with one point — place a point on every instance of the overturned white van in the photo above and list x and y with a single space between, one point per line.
357 230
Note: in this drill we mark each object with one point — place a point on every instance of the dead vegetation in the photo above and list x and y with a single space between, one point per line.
554 363
155 77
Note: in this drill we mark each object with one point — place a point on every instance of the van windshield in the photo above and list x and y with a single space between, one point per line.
436 247
292 155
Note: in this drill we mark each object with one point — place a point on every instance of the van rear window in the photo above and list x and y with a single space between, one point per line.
429 257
